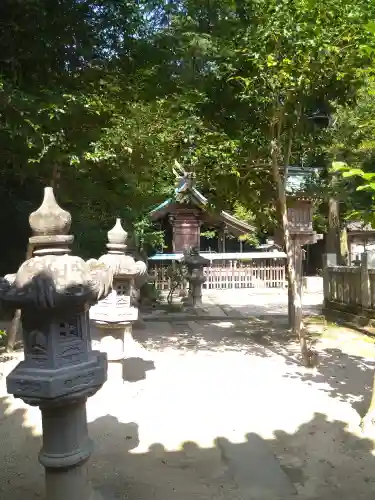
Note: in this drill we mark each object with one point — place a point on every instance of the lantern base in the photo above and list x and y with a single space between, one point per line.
38 385
115 340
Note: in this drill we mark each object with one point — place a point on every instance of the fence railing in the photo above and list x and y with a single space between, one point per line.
352 287
227 271
345 285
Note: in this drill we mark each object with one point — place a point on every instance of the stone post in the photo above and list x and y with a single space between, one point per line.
195 264
329 260
114 315
367 262
60 371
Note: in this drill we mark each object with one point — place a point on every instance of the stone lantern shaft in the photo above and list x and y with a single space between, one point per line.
195 264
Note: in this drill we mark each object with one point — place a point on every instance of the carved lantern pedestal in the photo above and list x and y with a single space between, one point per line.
114 315
196 277
54 291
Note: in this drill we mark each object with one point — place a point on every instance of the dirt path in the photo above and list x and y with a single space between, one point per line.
194 387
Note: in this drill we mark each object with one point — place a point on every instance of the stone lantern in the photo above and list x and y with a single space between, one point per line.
300 224
195 275
114 315
54 291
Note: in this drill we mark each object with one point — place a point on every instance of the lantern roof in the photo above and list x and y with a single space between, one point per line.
53 278
116 257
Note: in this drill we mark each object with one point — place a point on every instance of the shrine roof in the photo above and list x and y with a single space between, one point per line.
186 191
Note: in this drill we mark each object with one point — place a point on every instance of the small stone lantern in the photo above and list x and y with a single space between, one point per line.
195 276
54 291
114 315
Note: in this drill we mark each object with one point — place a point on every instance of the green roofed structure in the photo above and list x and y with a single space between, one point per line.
188 209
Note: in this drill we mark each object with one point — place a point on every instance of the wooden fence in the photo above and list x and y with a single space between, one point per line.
228 271
350 288
345 285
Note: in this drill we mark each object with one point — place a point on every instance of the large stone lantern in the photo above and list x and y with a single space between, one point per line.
195 275
113 316
54 291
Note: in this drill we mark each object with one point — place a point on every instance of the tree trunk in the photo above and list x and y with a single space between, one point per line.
15 325
344 250
55 178
333 240
294 288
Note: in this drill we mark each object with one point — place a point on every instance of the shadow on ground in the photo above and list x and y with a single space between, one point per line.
135 369
213 335
223 310
346 377
198 473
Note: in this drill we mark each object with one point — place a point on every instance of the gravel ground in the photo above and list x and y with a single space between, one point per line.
189 384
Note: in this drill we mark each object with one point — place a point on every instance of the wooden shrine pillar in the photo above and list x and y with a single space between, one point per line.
186 225
222 238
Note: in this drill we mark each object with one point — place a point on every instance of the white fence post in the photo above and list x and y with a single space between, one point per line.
229 271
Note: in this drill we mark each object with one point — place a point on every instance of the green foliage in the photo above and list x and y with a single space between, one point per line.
209 234
353 152
3 338
100 98
149 294
145 235
177 273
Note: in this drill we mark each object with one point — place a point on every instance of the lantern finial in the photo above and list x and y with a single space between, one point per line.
50 225
117 237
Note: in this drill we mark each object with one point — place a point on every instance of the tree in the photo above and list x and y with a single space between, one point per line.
260 70
354 152
59 95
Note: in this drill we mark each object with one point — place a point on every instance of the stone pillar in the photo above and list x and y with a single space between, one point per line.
329 260
186 229
367 262
113 316
60 371
195 264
